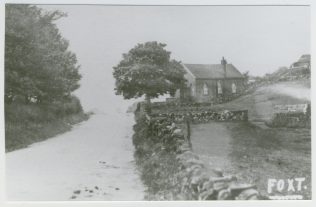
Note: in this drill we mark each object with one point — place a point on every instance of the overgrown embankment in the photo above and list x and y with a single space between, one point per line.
29 123
171 171
41 74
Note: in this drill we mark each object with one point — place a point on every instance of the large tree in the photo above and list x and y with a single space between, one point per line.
38 64
148 70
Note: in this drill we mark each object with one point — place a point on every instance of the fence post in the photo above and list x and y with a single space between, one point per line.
187 120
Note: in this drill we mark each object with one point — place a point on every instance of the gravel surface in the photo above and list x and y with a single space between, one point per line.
94 161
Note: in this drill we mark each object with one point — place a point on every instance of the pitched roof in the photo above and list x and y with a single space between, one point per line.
213 71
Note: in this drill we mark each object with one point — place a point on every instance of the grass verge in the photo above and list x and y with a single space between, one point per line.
256 154
27 124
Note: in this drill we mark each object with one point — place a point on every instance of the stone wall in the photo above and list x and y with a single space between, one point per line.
206 116
171 171
292 116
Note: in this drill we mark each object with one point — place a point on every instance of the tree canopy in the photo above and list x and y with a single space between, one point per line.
38 64
148 70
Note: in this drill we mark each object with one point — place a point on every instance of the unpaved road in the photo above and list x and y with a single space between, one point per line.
281 93
94 161
294 90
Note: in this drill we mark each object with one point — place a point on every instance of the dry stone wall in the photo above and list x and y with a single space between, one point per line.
205 116
171 171
291 116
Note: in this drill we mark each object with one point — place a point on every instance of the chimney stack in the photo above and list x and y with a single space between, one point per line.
224 63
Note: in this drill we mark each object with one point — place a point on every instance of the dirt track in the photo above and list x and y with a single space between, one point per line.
291 89
94 161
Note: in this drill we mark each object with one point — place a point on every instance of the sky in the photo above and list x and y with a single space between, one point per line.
258 39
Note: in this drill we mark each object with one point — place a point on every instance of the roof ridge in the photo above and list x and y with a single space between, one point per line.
212 70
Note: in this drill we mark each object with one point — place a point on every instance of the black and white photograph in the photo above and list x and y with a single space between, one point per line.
123 102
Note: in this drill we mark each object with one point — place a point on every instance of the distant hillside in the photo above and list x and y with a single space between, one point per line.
298 71
290 74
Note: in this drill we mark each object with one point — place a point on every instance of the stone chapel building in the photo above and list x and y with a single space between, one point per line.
211 82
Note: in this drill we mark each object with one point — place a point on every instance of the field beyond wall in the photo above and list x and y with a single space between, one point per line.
254 151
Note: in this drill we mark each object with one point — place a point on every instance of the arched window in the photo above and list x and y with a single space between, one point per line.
192 90
205 89
234 88
219 87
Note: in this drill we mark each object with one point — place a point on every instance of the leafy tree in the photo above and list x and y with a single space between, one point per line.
148 70
38 65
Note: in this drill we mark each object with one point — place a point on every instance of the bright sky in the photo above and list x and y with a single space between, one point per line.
258 39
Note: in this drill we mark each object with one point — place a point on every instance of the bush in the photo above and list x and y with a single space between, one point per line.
29 123
69 106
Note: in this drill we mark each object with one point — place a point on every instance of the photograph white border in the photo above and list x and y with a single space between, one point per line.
288 203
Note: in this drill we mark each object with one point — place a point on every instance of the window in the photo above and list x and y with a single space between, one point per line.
234 88
205 89
219 87
192 90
